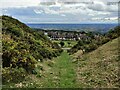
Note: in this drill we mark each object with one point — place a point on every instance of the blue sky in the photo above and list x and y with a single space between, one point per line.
61 11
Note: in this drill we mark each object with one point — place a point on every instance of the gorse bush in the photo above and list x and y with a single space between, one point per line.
23 47
13 75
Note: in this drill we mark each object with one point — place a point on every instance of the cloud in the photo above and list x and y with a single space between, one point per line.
61 10
27 11
77 8
105 19
102 6
63 15
18 3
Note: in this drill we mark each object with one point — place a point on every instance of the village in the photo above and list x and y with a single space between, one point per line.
70 35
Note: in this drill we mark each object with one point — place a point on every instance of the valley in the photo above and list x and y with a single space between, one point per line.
32 59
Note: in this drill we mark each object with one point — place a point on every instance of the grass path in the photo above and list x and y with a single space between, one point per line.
57 73
96 69
62 73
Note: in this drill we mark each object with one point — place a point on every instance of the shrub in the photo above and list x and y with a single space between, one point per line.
62 44
13 75
23 47
90 47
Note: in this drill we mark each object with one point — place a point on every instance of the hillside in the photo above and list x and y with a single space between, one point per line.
100 68
93 41
24 47
28 60
97 69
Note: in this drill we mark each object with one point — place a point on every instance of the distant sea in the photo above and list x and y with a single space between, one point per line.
103 28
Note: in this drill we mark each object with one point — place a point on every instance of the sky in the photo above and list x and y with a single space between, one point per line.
61 11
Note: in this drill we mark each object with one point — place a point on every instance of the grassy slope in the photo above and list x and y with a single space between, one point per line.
23 47
18 37
100 67
12 27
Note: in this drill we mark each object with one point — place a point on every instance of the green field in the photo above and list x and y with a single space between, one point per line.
67 43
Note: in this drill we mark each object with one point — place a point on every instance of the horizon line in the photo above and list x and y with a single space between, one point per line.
72 23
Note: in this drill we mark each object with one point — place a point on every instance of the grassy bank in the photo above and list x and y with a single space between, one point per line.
100 68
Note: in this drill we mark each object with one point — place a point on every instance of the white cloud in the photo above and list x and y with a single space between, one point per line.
78 8
68 9
97 6
114 18
63 9
38 11
103 6
63 15
105 19
18 3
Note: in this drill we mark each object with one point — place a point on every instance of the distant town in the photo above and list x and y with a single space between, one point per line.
69 35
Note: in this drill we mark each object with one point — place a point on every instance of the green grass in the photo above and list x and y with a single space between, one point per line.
72 43
62 73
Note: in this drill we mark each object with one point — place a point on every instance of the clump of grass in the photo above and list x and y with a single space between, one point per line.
39 75
50 63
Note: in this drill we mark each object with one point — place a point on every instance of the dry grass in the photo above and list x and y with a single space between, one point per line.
100 67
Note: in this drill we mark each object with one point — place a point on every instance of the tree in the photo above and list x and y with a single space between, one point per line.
62 44
69 43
